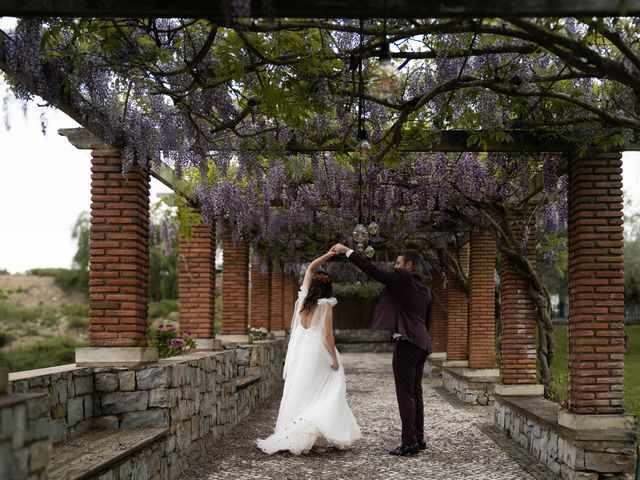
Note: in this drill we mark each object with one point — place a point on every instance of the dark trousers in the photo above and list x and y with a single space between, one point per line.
408 366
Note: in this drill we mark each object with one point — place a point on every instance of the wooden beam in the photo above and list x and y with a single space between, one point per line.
82 139
521 141
220 10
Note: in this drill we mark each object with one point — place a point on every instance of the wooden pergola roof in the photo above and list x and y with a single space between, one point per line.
221 10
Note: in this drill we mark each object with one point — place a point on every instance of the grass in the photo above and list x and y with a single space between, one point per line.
45 353
631 369
162 308
68 280
16 316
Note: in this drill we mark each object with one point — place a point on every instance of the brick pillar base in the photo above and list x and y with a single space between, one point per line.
235 290
260 292
482 301
197 284
518 336
276 304
119 264
596 288
458 316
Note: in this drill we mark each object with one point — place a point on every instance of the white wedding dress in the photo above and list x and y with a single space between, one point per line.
313 409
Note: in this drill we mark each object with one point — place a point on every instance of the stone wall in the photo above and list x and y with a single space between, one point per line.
69 395
24 436
472 390
195 396
584 455
198 397
363 341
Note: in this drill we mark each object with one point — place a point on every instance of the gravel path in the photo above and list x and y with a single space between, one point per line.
462 441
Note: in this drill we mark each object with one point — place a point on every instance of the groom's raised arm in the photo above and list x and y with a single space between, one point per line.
383 276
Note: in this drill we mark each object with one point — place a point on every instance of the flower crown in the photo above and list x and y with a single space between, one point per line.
322 277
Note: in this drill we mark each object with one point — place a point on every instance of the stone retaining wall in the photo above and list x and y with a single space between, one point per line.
363 341
195 396
468 389
574 455
69 393
24 436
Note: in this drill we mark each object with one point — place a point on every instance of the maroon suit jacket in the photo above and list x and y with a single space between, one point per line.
404 305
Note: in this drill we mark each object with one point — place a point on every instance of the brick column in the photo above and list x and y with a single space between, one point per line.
596 287
260 295
277 298
290 296
458 315
197 284
438 329
119 264
235 290
482 300
518 336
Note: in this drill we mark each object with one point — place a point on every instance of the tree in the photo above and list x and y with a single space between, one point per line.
225 106
81 233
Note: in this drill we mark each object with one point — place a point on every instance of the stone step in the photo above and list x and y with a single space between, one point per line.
95 451
245 381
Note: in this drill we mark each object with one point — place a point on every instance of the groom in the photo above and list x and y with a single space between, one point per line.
404 309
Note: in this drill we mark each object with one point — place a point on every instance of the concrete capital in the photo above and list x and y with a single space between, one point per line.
524 390
115 356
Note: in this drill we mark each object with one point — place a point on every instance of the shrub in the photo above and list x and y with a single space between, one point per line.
170 343
258 333
77 314
75 309
5 338
68 281
162 308
19 315
77 322
367 290
46 353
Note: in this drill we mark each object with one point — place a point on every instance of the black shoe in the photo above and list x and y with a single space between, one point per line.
404 450
422 445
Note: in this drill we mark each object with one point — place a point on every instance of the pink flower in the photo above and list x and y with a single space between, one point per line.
161 326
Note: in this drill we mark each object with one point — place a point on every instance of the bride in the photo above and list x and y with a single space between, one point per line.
313 409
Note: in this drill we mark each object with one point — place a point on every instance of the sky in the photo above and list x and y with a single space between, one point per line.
45 184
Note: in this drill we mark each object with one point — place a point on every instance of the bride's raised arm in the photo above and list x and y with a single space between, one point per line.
313 266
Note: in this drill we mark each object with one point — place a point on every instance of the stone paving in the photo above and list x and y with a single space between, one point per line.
462 440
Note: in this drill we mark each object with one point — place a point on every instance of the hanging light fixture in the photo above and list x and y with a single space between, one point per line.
369 251
361 234
373 228
386 81
364 147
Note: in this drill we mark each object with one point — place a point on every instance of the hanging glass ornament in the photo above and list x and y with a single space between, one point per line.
369 251
373 228
360 247
360 234
385 82
363 148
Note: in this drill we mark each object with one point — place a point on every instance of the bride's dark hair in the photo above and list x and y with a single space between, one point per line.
320 288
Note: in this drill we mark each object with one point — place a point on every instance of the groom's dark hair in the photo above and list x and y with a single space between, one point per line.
412 256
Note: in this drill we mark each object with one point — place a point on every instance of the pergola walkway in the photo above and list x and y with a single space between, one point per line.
462 441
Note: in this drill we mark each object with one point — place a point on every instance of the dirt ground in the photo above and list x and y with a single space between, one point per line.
31 291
